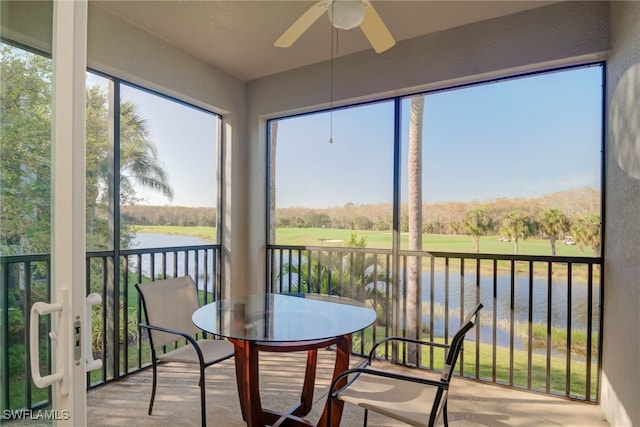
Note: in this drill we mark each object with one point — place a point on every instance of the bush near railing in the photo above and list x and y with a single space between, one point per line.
356 272
536 355
559 340
125 336
24 280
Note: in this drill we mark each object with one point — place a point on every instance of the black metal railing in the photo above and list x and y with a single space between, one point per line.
540 328
116 337
24 280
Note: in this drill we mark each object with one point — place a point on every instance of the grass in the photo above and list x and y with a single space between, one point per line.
487 369
17 394
332 237
96 377
430 242
207 234
558 338
383 240
376 239
485 365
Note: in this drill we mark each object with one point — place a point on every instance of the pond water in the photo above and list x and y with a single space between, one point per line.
556 303
548 304
552 303
156 240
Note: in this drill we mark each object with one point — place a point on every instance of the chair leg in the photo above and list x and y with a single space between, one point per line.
444 415
203 400
366 416
153 386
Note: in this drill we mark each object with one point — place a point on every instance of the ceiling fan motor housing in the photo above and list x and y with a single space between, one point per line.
346 14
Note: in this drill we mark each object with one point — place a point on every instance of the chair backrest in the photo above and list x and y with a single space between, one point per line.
169 303
452 357
457 342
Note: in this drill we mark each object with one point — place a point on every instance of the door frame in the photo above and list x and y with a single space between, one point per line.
68 212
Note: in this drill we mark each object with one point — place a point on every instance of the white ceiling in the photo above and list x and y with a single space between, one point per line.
237 36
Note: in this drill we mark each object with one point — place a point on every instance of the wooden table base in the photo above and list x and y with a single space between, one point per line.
247 374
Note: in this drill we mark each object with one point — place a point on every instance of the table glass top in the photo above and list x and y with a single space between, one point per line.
283 318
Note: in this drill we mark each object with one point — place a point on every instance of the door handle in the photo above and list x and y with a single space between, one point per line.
92 364
39 309
61 339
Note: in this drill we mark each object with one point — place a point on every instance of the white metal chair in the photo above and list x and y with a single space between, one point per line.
168 306
414 400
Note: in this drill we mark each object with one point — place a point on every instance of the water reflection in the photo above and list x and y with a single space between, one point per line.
556 303
178 264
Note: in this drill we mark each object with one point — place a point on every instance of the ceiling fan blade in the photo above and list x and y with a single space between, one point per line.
375 30
301 25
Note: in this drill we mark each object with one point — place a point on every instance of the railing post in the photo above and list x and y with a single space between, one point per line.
4 333
501 344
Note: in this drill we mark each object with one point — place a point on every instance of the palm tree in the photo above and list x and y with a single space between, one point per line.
139 164
25 152
553 223
273 141
515 225
351 275
476 223
586 231
139 161
414 170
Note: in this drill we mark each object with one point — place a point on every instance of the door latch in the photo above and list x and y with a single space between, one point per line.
77 339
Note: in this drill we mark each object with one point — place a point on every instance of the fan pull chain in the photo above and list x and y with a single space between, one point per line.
331 83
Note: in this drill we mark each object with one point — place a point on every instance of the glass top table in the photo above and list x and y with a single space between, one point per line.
285 323
283 317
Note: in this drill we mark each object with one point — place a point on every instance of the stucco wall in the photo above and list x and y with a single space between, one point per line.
29 23
560 34
620 394
118 48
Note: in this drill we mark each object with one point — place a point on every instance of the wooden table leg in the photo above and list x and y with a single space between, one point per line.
306 396
247 377
246 361
343 351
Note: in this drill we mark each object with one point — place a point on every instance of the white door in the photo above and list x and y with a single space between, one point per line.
68 307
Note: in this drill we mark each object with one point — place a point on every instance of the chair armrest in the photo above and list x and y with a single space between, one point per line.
404 339
375 372
168 331
188 337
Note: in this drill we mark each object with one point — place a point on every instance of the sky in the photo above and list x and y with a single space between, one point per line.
525 137
185 138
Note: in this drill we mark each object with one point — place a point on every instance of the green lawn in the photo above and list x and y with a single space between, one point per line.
383 239
430 242
205 233
485 362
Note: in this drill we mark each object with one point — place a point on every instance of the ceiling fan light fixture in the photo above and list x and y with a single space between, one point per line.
346 14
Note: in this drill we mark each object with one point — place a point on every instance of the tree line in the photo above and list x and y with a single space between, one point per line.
181 216
574 213
25 157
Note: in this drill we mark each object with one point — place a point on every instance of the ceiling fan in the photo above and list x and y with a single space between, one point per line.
344 15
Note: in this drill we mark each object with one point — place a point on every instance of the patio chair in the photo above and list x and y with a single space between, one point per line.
168 306
414 400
